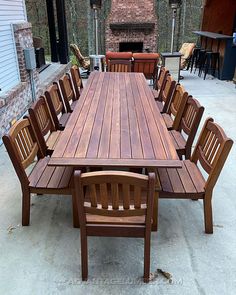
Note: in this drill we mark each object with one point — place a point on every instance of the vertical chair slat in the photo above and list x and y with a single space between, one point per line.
126 195
137 197
93 195
104 195
115 195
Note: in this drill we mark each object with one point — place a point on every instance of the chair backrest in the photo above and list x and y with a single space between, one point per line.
161 78
22 147
190 121
177 105
146 63
41 120
166 92
117 65
55 103
67 91
211 151
110 55
114 193
77 80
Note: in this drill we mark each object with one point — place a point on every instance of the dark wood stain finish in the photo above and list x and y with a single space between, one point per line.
116 123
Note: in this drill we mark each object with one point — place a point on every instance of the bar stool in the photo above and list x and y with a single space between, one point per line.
200 62
194 58
212 62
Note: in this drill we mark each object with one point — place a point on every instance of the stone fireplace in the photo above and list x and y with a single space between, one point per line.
132 26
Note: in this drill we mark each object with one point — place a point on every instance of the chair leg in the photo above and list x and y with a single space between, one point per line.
155 212
75 211
208 214
84 254
26 207
147 242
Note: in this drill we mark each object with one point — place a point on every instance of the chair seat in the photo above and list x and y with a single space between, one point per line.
185 181
179 141
63 119
49 177
130 220
159 105
168 121
53 139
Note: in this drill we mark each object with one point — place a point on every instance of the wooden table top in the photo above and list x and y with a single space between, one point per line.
115 123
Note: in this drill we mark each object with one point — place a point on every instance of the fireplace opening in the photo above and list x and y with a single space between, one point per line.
131 46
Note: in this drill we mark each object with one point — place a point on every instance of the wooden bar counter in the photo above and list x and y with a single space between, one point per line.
224 45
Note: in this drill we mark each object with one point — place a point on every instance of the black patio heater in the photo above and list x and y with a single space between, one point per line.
96 61
174 4
171 60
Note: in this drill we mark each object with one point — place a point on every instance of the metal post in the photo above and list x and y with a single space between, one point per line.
62 31
174 11
96 28
52 30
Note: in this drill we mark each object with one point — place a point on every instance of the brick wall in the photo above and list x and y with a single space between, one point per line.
15 102
132 11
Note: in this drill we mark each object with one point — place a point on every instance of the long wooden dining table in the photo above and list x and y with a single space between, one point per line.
115 123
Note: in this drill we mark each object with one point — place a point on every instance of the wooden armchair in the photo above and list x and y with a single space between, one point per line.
77 80
117 65
42 123
188 126
146 63
56 106
113 206
22 147
83 61
68 93
186 50
210 153
175 110
166 93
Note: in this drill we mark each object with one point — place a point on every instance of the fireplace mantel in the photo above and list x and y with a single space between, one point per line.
132 26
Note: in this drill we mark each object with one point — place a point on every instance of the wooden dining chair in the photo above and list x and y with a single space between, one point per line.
165 94
68 93
111 203
22 147
77 80
176 107
188 182
183 137
119 65
56 106
160 83
42 123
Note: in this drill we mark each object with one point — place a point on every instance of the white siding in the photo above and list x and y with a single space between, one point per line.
11 11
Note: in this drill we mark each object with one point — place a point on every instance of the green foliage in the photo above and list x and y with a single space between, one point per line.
80 23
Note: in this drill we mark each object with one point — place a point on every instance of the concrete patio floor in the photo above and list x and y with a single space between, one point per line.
44 258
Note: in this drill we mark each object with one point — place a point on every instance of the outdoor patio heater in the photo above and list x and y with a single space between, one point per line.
171 60
174 4
96 61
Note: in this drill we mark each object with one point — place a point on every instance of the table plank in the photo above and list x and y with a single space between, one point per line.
142 123
125 148
97 129
136 146
114 151
75 122
82 147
